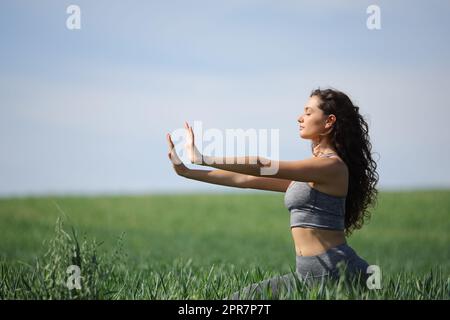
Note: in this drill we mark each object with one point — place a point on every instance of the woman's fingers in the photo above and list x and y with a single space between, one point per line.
189 138
188 127
169 141
173 156
190 133
192 151
190 146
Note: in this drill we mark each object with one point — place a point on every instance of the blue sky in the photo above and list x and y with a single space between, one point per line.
86 111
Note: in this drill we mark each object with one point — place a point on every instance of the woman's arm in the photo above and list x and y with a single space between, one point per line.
317 170
270 184
222 177
238 180
313 169
250 165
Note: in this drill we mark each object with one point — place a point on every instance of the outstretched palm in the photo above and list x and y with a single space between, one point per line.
178 165
193 154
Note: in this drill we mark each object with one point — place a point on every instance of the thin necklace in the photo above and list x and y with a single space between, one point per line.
326 154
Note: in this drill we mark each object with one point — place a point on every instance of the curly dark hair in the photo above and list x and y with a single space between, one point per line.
350 137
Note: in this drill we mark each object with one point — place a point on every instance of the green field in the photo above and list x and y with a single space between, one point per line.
220 234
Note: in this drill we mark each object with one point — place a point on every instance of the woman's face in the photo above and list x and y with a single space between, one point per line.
313 121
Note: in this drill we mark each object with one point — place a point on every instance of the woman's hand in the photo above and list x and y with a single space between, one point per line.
178 165
194 155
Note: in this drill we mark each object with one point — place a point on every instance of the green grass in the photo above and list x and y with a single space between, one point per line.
207 246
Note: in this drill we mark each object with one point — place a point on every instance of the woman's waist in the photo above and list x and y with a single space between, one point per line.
328 262
314 241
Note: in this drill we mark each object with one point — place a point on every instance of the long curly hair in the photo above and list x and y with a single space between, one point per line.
350 137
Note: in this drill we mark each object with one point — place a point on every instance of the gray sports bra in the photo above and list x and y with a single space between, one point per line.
312 208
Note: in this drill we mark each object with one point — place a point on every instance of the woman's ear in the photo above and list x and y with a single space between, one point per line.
331 119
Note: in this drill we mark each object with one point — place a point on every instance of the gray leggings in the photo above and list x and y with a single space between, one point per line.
310 270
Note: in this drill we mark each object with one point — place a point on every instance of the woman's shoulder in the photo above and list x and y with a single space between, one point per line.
337 186
341 166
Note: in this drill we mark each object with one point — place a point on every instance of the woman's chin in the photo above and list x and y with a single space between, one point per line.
303 136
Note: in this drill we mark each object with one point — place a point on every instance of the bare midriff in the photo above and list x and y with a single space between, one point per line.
312 241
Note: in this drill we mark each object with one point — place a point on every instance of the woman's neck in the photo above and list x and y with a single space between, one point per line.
321 149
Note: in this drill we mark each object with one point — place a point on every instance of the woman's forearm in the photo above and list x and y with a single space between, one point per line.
221 177
249 165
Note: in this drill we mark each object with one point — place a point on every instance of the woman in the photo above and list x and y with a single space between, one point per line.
327 195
